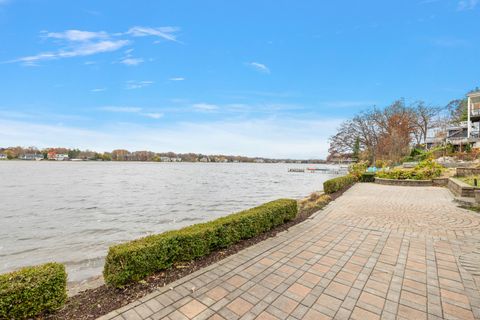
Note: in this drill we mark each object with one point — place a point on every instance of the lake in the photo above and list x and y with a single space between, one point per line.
71 212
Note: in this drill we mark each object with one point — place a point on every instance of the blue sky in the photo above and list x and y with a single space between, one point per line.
259 78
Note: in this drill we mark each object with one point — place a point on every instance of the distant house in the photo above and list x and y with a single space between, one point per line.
259 160
61 157
176 159
204 159
3 156
52 155
467 132
165 159
31 156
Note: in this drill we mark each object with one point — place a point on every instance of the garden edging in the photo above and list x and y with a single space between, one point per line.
404 182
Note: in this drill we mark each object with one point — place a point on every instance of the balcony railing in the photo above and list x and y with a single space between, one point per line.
475 112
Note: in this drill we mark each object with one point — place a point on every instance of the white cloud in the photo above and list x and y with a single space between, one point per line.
270 137
467 5
130 85
347 104
134 110
77 35
121 109
76 43
152 115
84 49
259 67
131 61
177 79
205 107
167 33
98 90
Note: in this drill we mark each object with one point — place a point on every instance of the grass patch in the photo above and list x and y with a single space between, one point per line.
470 180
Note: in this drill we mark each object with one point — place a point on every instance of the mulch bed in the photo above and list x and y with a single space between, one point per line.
93 303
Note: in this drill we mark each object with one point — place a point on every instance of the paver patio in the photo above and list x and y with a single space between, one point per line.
377 252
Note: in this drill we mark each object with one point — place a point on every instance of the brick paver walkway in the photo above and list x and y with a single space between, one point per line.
377 252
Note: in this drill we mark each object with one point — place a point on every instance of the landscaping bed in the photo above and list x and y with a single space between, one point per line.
470 179
94 303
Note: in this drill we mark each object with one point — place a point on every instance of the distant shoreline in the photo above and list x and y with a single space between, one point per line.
205 162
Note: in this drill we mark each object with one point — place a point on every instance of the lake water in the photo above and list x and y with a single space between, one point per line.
71 212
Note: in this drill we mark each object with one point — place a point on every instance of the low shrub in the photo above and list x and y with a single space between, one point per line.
32 290
367 177
314 202
339 183
425 170
132 261
357 169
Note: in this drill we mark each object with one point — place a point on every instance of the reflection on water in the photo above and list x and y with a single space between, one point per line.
71 212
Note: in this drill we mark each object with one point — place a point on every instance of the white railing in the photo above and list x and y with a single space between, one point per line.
475 112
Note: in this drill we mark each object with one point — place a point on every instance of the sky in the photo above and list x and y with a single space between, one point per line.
266 78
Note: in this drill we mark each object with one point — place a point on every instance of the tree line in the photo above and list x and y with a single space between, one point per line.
126 155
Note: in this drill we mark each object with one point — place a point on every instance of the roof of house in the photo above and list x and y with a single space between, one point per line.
474 94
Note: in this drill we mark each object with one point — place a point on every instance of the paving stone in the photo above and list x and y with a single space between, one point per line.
377 252
192 308
240 306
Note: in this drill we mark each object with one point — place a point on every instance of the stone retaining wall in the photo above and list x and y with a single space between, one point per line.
460 188
440 182
407 182
462 172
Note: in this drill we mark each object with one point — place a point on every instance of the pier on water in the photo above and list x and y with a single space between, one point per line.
341 170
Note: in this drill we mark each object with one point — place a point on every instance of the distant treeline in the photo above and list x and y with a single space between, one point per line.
33 153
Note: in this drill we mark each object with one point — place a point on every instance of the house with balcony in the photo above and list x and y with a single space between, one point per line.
473 121
464 133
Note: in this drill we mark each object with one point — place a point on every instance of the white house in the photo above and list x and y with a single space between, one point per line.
473 120
61 157
463 133
3 156
32 156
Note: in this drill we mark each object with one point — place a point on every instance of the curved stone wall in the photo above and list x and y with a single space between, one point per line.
407 182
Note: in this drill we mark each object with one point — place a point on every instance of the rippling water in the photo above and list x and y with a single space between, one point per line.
71 212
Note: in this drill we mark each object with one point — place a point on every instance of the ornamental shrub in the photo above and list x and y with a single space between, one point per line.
32 290
133 261
337 184
425 170
367 177
357 169
314 202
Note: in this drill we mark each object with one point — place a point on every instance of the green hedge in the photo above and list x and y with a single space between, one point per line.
337 184
32 290
367 177
132 261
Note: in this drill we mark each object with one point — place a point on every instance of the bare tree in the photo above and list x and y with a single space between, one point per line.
426 118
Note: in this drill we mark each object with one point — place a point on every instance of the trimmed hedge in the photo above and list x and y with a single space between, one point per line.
32 290
337 184
367 177
133 261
